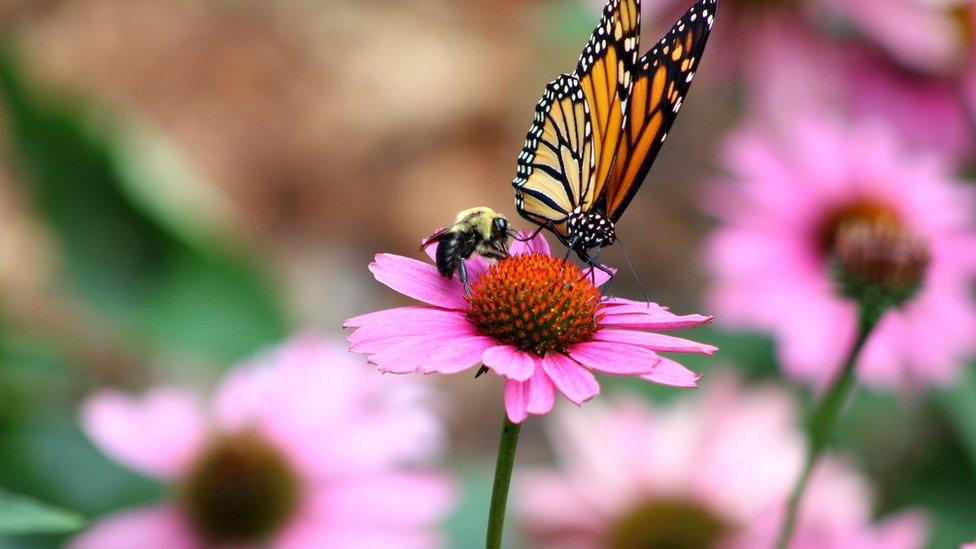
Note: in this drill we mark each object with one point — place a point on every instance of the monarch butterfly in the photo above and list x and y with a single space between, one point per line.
597 131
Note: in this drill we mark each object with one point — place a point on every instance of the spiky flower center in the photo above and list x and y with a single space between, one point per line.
535 302
880 261
866 211
667 523
240 489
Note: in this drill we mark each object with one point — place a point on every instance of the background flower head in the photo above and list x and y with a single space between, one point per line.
302 447
536 320
788 192
713 471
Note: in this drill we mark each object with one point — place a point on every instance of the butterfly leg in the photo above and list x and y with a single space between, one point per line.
594 264
535 233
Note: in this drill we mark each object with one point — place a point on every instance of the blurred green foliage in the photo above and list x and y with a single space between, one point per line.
20 515
120 254
160 280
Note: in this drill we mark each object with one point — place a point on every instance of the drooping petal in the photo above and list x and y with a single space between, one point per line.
540 392
614 359
418 280
509 362
536 396
573 380
671 373
158 434
160 527
515 400
656 342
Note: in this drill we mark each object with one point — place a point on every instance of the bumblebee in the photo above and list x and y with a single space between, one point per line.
480 231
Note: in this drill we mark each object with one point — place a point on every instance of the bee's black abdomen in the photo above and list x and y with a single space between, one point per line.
452 248
447 255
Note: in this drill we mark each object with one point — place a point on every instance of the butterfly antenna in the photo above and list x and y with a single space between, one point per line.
647 298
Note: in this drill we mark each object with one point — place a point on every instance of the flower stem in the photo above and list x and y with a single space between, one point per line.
503 478
823 419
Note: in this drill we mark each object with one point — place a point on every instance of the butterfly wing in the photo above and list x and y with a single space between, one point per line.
555 169
661 80
604 70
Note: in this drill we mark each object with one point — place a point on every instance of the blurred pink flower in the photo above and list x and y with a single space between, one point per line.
713 471
304 447
787 194
515 324
850 81
933 36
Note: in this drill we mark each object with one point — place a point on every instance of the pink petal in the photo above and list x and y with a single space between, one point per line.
152 528
507 361
537 245
656 342
418 280
158 434
437 352
385 501
540 392
536 396
306 535
671 373
647 321
640 306
412 337
459 355
572 380
310 392
515 400
598 276
614 359
404 321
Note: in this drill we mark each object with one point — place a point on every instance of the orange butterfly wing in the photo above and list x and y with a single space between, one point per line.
661 79
604 70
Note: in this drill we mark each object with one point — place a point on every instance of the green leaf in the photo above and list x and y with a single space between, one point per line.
143 239
21 515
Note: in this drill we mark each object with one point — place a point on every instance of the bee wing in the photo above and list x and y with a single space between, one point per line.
437 235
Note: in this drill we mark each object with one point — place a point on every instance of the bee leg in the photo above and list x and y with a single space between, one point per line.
463 273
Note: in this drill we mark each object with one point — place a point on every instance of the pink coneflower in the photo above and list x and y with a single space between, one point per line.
303 448
712 471
536 320
781 209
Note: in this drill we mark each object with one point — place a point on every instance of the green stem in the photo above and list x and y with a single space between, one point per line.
503 478
823 419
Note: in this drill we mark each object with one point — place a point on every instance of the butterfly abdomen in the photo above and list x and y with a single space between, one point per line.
590 230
